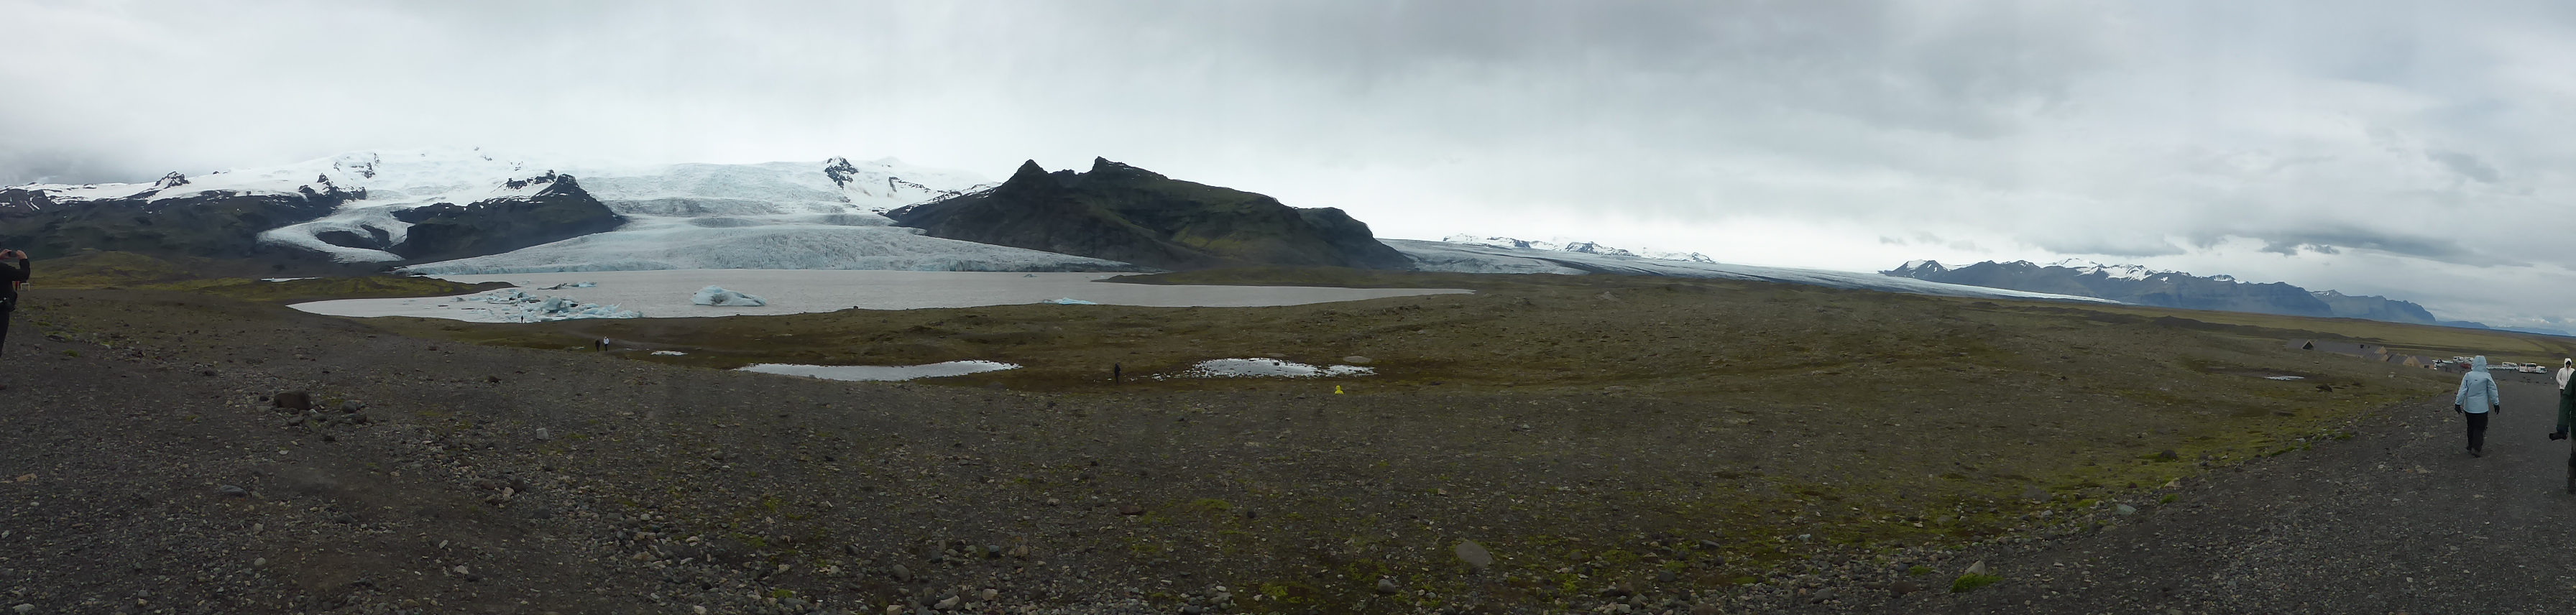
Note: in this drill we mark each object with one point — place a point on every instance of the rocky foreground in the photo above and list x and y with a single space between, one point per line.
175 453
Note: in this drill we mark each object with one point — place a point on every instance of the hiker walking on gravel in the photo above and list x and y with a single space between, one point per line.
2566 414
9 292
2477 399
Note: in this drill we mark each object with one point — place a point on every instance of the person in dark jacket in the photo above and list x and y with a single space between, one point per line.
14 276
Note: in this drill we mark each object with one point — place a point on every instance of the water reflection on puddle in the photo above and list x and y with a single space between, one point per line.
1273 368
879 372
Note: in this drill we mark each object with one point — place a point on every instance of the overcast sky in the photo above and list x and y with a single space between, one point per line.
2414 149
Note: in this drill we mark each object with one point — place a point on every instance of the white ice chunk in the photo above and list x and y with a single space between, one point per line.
880 372
1239 368
718 296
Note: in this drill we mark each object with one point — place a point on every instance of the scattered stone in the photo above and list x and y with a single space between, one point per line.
1386 586
232 491
1904 587
901 574
950 603
1131 510
24 608
293 400
987 595
2125 509
543 435
1978 568
1705 609
351 407
1474 555
1357 360
2035 494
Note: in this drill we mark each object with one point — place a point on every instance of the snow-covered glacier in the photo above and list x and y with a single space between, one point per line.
772 242
774 215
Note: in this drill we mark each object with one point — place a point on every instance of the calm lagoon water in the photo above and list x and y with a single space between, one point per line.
665 294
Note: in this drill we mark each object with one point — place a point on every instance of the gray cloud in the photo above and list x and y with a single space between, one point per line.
2466 165
2305 137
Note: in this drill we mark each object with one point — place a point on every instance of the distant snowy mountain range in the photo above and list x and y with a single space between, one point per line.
453 210
1578 247
2145 286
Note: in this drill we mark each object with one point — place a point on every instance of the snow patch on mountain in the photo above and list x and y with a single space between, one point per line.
1578 247
2119 272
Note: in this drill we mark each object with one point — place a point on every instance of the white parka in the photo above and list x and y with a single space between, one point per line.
2477 388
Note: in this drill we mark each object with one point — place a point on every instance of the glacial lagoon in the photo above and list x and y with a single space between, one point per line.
666 293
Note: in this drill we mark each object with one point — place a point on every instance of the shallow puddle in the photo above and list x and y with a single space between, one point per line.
879 372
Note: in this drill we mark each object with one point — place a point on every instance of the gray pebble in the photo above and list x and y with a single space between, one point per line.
1474 555
902 574
24 608
1386 585
543 435
2127 509
229 491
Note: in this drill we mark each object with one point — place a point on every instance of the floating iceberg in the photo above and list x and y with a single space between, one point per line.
1239 368
1069 301
515 305
718 296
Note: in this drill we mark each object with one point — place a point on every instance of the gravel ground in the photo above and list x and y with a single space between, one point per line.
2396 519
145 467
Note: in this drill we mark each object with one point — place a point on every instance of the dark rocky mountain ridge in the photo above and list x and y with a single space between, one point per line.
226 224
214 224
2173 289
1123 213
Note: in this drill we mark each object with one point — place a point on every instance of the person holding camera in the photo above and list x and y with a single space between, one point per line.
9 292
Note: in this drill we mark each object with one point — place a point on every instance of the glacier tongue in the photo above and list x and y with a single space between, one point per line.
654 243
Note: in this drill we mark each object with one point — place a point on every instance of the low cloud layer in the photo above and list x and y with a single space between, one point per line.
2408 148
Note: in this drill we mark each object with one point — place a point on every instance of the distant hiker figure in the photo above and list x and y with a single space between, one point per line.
9 296
601 345
2567 416
2566 411
2477 399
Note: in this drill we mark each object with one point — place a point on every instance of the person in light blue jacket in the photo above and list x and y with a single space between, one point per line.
2476 400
